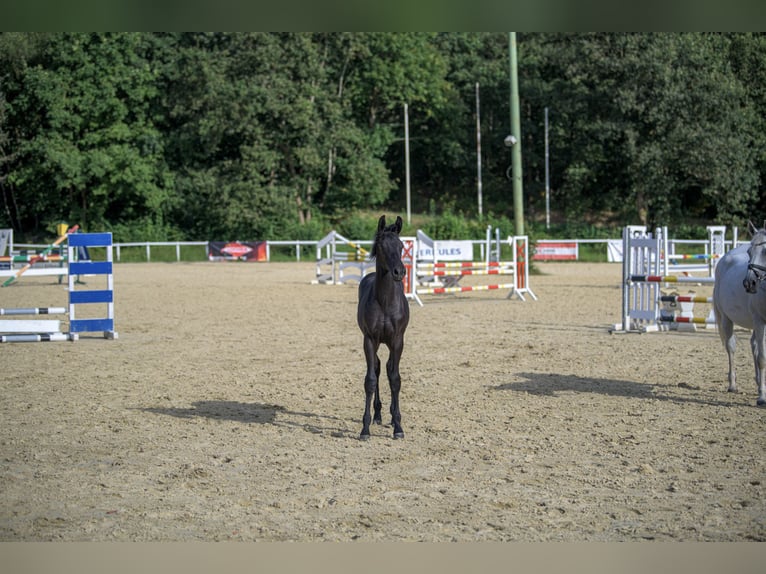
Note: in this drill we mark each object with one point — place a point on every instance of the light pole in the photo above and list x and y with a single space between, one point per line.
518 192
478 152
407 160
547 178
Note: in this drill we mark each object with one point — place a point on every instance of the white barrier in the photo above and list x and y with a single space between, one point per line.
645 270
340 260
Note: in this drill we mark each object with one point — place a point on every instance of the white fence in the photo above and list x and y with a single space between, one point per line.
297 245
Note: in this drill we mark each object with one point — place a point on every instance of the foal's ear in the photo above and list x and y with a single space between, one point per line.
381 223
398 224
753 229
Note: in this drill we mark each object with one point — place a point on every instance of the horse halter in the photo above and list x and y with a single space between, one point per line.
758 270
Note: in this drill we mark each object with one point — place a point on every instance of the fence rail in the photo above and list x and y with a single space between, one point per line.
298 245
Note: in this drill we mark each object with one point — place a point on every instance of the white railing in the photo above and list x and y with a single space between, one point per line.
298 244
149 244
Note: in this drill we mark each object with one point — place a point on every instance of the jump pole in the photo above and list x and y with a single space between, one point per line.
33 337
670 279
34 311
465 264
685 299
438 290
40 256
29 330
679 319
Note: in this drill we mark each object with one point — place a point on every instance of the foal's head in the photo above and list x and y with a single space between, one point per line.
756 268
387 249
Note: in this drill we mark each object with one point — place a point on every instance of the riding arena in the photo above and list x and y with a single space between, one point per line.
552 402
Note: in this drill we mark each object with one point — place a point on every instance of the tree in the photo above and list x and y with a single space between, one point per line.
250 135
87 147
656 126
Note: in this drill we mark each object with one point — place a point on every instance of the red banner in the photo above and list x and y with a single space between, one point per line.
555 251
236 250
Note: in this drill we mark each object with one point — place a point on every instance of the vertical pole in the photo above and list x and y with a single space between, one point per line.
407 159
478 151
626 269
547 177
518 192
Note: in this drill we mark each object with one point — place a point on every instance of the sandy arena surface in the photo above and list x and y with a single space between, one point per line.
229 408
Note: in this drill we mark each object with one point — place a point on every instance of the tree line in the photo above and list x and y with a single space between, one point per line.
188 136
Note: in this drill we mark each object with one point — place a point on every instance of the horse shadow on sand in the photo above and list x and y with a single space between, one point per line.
257 413
552 385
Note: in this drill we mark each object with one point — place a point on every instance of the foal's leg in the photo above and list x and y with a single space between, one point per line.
395 382
377 404
370 383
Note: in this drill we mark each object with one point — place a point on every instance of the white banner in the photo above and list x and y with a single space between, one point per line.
447 251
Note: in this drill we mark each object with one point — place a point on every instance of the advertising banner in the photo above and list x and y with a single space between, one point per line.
237 250
446 251
555 251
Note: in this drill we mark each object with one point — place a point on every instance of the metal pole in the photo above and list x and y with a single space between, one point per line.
547 178
407 159
478 150
518 191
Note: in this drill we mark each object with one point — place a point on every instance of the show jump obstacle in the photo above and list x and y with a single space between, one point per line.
433 267
24 330
648 266
45 257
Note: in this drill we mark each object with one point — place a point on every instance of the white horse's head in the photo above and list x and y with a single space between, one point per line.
756 268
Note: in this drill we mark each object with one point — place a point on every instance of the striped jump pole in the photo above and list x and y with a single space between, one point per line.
670 279
33 337
34 311
690 256
464 264
685 299
678 319
31 330
40 256
437 290
30 258
462 272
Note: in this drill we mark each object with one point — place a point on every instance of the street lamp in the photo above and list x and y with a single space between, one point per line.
509 142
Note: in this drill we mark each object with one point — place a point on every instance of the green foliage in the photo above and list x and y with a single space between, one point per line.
361 225
160 136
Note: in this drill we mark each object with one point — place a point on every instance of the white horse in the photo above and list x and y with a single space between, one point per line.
739 298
